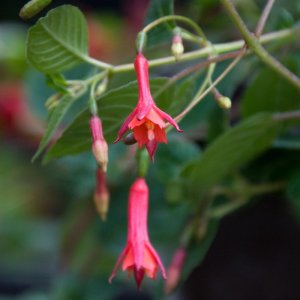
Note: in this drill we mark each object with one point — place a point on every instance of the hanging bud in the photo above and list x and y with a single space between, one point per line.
101 195
32 8
100 148
224 102
174 270
177 48
101 88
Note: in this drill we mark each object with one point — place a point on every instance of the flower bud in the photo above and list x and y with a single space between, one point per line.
174 270
99 148
101 195
177 46
224 102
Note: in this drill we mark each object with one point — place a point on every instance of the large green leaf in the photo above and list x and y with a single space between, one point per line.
269 93
163 32
229 152
58 41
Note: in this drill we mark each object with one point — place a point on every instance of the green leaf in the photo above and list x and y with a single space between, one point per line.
161 33
229 152
269 93
113 108
55 118
197 251
58 41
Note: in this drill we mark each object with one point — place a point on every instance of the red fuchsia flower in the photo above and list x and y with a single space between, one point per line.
99 147
174 270
146 121
139 256
101 194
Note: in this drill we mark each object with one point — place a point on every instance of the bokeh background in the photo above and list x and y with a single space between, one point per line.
52 243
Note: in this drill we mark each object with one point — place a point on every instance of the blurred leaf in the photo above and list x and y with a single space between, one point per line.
58 41
163 32
269 93
293 193
197 251
172 156
55 118
230 151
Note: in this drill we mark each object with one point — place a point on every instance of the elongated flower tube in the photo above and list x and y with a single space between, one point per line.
101 194
138 256
146 121
99 147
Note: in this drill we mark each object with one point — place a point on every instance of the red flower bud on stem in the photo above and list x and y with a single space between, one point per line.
101 195
174 271
146 121
100 148
139 257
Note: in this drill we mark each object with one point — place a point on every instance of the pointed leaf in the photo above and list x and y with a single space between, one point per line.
58 41
230 151
55 118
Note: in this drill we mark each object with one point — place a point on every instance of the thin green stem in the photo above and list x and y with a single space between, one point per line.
263 18
195 101
219 48
183 19
254 44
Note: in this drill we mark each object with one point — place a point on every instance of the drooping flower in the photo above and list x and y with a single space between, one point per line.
99 147
101 194
146 121
174 270
139 257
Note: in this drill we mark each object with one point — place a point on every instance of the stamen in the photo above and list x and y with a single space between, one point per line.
150 126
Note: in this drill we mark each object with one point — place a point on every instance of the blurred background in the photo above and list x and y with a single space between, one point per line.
52 243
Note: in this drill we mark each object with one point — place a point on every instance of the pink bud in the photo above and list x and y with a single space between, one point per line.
174 270
99 148
101 195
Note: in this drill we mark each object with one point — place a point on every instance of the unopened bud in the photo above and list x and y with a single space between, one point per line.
101 88
52 101
101 195
177 46
224 102
129 139
174 270
100 148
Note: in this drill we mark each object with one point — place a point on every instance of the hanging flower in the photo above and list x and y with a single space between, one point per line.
139 257
99 147
146 121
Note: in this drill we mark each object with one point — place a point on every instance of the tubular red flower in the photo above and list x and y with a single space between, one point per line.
146 121
139 256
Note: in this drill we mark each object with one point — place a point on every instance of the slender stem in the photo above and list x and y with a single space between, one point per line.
186 20
254 44
287 115
263 18
219 48
194 102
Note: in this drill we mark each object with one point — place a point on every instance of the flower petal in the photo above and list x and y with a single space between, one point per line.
141 135
155 118
168 118
151 148
124 126
160 135
121 257
157 258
